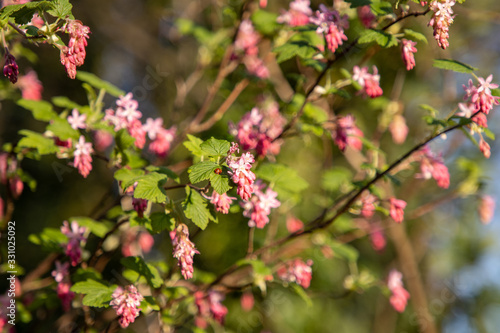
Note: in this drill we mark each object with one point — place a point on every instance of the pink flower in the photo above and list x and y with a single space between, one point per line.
10 69
136 242
486 208
161 144
83 158
484 147
31 87
377 238
75 236
127 108
408 49
298 14
16 186
366 16
246 42
480 95
61 271
77 120
433 166
398 129
183 250
126 304
102 139
347 133
368 201
370 83
293 224
137 132
397 209
241 174
441 20
140 206
400 295
297 271
73 55
259 207
247 301
331 25
222 202
65 294
153 127
209 305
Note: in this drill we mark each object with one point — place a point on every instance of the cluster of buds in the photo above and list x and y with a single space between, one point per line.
222 202
346 133
408 49
183 250
240 171
441 20
76 235
83 157
73 55
259 207
396 210
331 25
246 42
370 83
61 276
126 303
209 306
400 295
259 128
432 166
10 69
296 270
10 177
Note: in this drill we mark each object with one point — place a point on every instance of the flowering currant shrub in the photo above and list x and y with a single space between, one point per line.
297 176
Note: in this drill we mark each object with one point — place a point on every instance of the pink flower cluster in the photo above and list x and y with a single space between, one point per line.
83 157
31 87
298 14
246 42
346 133
370 83
76 235
240 172
486 208
432 166
126 304
366 16
161 138
183 250
222 202
296 270
400 295
10 69
259 207
9 176
61 276
408 49
73 55
368 201
137 243
396 210
441 20
398 128
209 306
259 128
331 25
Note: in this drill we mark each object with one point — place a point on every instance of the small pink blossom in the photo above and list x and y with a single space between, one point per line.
432 166
75 235
31 87
408 50
10 69
347 133
77 120
153 127
368 201
209 306
136 242
484 147
331 25
370 83
297 15
161 144
399 129
486 208
102 139
65 294
400 295
61 271
293 224
366 16
83 157
136 131
16 186
222 202
246 42
259 207
297 271
126 303
397 209
377 238
241 174
481 95
74 54
247 301
140 206
183 250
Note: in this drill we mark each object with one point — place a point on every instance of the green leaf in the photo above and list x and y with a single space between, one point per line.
150 272
264 22
201 171
382 38
35 140
489 133
98 83
127 176
453 65
358 3
123 140
23 13
302 294
220 183
164 170
62 129
96 294
193 145
62 8
41 110
195 208
160 221
215 147
96 227
32 31
150 187
65 102
416 35
334 178
149 302
291 49
283 179
382 8
50 239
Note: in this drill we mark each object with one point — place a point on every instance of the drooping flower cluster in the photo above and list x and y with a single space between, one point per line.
209 306
161 138
31 87
259 207
10 69
240 171
61 276
83 157
486 208
331 25
346 133
298 14
400 295
222 202
126 304
396 210
259 128
441 20
246 43
76 235
73 55
370 83
366 16
408 49
9 176
296 270
183 250
137 242
432 166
